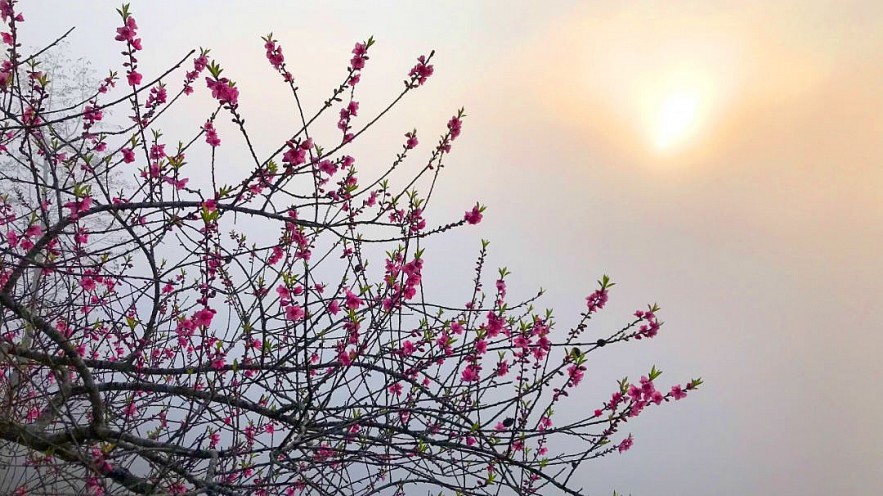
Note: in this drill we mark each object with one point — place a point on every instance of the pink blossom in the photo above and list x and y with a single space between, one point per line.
219 361
576 373
634 393
276 255
344 357
421 72
88 284
677 392
223 90
412 140
596 300
495 324
79 206
455 126
157 151
656 397
211 136
353 302
128 155
334 307
133 77
274 52
626 444
203 318
91 115
328 167
283 292
158 95
294 313
473 216
357 63
395 389
650 328
128 31
502 368
408 348
456 327
470 373
33 230
295 155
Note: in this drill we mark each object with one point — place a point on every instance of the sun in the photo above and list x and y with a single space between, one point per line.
676 106
676 119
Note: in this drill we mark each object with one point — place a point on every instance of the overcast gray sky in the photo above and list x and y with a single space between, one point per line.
722 159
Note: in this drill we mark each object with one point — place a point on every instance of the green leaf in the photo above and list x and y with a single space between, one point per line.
654 373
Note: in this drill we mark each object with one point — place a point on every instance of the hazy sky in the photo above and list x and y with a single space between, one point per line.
722 159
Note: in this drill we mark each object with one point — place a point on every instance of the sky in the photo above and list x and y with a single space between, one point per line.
720 158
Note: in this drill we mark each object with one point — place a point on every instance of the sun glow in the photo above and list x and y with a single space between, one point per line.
675 106
661 94
676 119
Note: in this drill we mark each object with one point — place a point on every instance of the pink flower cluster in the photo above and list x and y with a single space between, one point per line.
398 293
412 142
650 326
107 83
357 62
297 152
26 240
677 392
473 216
211 136
8 14
78 206
292 234
420 72
91 114
643 395
199 65
275 57
575 374
158 96
471 373
128 33
455 127
525 346
346 115
596 300
223 90
625 444
415 221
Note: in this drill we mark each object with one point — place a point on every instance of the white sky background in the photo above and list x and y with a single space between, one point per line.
761 238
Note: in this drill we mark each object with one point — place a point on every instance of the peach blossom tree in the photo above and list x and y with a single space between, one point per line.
168 328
